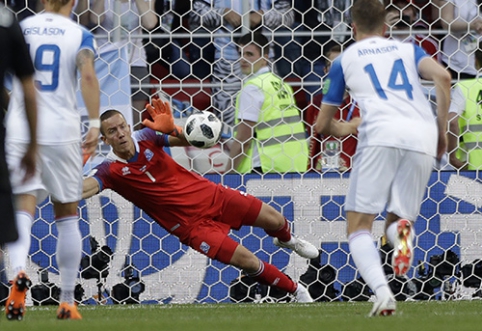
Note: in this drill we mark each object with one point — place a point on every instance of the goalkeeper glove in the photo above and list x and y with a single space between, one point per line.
162 119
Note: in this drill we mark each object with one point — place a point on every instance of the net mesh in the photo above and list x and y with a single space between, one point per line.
183 66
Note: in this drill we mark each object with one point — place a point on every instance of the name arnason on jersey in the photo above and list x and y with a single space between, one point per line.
377 50
39 31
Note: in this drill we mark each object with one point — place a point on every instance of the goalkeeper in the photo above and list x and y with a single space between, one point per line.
198 211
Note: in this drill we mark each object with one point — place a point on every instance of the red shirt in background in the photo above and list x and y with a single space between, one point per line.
346 111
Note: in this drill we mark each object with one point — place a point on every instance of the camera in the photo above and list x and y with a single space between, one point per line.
319 280
130 290
95 266
472 274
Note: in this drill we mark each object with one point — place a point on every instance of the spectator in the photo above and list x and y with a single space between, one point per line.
216 17
403 20
346 111
464 138
462 20
269 134
303 57
14 58
169 52
135 16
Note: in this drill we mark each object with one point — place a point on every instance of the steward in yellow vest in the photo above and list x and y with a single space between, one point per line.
465 122
275 141
470 123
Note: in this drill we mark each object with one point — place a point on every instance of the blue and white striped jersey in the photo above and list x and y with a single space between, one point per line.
382 76
54 42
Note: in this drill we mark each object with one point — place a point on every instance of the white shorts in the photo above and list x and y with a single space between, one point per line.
59 172
388 178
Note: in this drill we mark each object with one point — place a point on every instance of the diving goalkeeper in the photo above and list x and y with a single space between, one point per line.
198 211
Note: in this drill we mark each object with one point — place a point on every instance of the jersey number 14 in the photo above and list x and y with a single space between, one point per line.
398 80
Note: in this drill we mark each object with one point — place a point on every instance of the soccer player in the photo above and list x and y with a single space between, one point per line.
59 47
399 137
15 58
198 211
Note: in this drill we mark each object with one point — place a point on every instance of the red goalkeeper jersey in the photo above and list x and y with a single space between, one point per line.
171 195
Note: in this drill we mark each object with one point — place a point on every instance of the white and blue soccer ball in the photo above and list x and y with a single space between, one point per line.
203 129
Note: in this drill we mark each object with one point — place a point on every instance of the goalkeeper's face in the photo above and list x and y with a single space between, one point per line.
117 134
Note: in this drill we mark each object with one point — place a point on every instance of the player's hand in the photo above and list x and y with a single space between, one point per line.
355 122
162 119
90 143
29 162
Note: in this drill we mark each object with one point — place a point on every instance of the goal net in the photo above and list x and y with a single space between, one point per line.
129 258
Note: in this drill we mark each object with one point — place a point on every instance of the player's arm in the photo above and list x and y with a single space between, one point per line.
24 70
334 90
429 69
328 126
178 141
90 187
89 86
240 145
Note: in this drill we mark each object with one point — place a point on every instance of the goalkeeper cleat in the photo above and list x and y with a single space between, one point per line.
402 257
302 295
384 307
15 304
300 246
68 312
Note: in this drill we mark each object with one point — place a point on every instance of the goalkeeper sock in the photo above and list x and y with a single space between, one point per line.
283 233
69 253
367 259
18 250
268 274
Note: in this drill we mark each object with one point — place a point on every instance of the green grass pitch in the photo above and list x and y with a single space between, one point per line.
411 316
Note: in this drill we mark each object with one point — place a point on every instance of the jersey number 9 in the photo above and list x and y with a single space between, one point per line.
47 59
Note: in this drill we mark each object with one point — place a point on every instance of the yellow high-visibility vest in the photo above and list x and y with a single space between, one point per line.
280 133
470 122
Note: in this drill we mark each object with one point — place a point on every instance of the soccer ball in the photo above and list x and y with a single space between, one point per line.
203 129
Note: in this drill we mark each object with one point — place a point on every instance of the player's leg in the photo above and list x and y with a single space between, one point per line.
68 256
276 226
367 260
241 209
62 177
18 255
403 207
367 195
25 198
239 256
